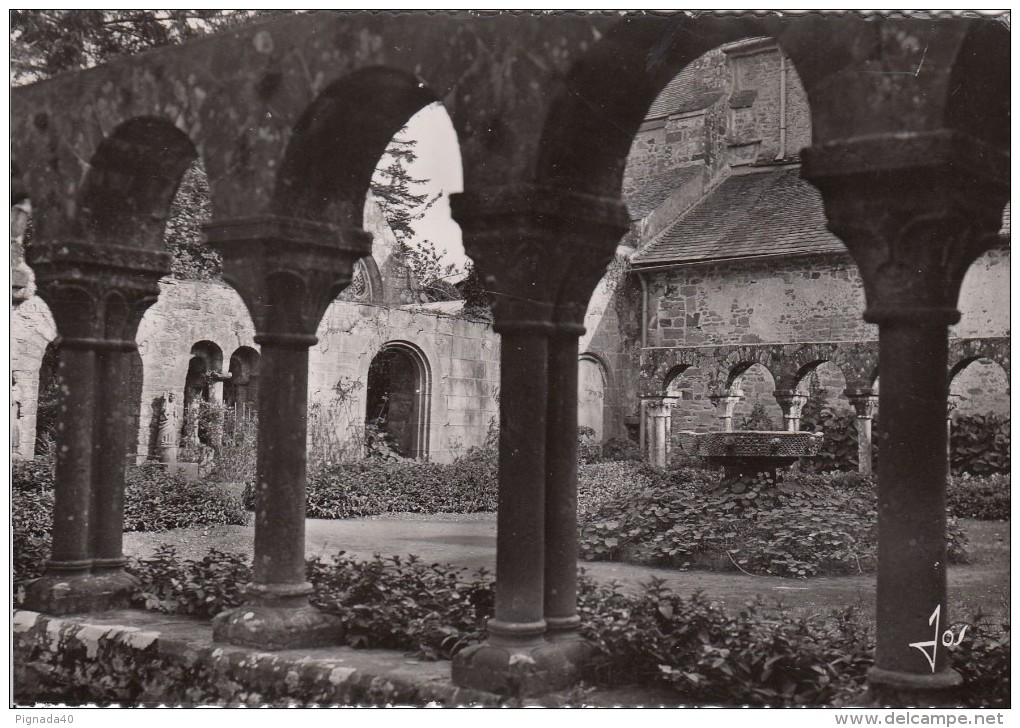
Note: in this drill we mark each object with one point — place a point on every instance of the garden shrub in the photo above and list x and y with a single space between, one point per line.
809 525
153 501
985 498
375 486
156 500
758 655
621 449
980 444
757 419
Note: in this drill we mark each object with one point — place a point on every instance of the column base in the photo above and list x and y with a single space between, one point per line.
277 627
76 593
518 671
891 688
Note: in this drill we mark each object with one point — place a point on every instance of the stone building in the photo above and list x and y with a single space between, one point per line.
439 371
738 294
909 150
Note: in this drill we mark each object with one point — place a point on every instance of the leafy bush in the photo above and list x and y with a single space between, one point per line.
617 449
756 656
757 419
373 486
601 483
983 659
985 498
155 500
200 588
809 525
838 451
980 444
709 655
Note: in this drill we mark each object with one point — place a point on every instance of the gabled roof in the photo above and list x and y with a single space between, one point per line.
655 189
755 213
766 212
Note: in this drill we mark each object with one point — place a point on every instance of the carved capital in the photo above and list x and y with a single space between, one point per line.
864 402
97 293
540 251
287 270
790 401
660 406
913 230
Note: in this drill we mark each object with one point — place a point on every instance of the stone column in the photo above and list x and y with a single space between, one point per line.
951 406
792 403
725 400
660 410
913 228
864 402
287 271
97 294
591 255
522 239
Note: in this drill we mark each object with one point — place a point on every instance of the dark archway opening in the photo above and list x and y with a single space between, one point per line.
396 414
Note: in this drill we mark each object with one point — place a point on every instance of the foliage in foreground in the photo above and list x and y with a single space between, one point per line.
810 525
758 655
153 501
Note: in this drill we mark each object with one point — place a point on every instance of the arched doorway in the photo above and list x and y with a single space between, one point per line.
591 396
203 398
397 406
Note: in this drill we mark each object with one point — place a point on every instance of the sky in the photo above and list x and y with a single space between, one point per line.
439 162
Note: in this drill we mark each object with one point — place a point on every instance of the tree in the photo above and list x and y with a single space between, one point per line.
48 42
396 191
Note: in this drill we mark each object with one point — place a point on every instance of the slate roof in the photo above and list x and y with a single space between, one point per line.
761 213
655 189
684 93
772 212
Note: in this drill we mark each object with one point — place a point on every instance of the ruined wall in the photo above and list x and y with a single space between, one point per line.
463 356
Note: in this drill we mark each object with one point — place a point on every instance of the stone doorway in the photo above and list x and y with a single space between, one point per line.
398 399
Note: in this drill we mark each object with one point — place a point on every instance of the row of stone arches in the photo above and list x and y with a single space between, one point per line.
691 399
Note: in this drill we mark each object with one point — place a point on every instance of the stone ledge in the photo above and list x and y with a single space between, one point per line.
146 658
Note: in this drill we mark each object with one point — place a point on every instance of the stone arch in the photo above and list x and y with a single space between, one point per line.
201 387
978 385
592 393
126 195
240 391
398 397
757 383
47 398
338 140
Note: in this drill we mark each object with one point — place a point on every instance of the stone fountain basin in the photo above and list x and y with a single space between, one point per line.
767 449
746 443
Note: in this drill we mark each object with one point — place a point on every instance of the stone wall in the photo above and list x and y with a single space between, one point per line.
462 356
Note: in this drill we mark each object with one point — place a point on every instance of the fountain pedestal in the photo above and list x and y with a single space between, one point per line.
748 457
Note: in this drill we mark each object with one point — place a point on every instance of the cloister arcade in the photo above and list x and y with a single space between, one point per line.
910 120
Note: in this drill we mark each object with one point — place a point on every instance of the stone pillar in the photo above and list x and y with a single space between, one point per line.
864 402
97 294
217 411
913 228
591 257
522 239
287 271
792 403
951 406
725 400
660 410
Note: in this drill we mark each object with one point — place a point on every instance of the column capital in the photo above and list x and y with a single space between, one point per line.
541 251
915 219
791 401
660 406
97 293
864 402
287 270
728 397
